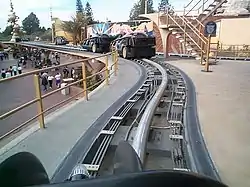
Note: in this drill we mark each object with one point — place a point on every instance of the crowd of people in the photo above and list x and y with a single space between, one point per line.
47 78
11 71
37 59
4 55
33 58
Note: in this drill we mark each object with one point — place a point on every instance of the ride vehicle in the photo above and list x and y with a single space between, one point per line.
135 45
97 44
37 39
18 39
25 39
61 40
24 169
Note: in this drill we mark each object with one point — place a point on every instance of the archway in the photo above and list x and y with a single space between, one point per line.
173 45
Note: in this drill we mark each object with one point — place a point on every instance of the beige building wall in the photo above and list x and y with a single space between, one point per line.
160 20
59 31
235 31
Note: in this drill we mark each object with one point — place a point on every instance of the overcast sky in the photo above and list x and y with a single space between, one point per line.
115 10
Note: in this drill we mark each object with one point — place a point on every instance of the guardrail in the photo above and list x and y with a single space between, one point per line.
140 139
46 46
108 70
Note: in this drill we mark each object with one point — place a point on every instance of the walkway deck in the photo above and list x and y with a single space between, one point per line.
65 127
223 98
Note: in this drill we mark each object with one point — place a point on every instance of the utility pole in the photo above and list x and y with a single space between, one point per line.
52 25
146 6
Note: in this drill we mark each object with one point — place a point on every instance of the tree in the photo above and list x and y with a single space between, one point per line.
47 35
43 29
75 26
7 31
79 7
165 6
89 14
31 23
139 8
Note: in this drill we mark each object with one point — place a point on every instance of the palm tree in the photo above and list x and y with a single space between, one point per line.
75 25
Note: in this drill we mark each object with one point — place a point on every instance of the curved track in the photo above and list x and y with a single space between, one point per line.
179 116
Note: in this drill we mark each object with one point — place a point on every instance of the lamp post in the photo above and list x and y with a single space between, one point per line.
146 6
52 26
12 20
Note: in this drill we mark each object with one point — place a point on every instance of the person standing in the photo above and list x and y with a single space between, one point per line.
1 56
44 83
11 70
58 79
14 68
57 58
8 73
65 72
3 73
19 69
50 79
44 74
72 73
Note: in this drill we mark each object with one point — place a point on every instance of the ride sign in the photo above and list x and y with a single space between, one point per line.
210 29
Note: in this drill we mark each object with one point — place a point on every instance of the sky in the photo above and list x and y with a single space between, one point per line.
114 10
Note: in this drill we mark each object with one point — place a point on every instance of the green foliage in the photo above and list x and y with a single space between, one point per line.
43 29
79 7
4 38
90 81
31 23
164 5
75 25
89 14
47 35
139 8
7 31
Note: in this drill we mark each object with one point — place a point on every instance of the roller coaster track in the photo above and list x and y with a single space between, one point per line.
166 85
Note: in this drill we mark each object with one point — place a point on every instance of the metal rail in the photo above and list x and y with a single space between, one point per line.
140 140
97 151
175 119
144 104
39 97
191 152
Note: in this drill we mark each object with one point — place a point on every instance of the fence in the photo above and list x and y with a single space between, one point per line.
39 98
226 50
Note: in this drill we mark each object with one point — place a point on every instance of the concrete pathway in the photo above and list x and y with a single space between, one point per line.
65 127
224 112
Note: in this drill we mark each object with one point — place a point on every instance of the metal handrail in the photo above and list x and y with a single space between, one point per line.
39 98
193 7
58 66
188 4
202 6
200 23
195 28
185 20
191 27
186 33
185 6
198 9
140 139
